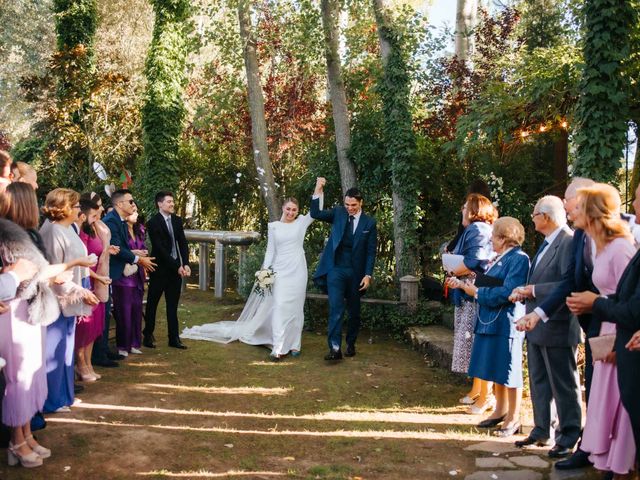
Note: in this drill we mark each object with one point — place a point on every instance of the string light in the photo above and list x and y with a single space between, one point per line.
542 129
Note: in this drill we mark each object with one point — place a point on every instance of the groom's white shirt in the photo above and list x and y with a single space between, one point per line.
356 217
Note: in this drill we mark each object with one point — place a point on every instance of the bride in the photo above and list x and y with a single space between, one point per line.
276 318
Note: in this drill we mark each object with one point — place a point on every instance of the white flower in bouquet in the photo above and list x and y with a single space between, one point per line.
264 281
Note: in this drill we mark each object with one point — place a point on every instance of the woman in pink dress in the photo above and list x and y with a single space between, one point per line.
96 238
607 433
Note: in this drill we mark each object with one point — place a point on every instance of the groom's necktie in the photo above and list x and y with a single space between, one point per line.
350 224
174 253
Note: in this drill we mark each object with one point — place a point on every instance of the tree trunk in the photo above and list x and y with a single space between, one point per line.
267 183
400 143
635 172
163 112
337 93
466 19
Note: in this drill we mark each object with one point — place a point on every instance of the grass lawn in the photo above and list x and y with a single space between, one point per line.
225 411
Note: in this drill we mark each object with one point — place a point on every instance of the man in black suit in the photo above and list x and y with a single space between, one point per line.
169 247
552 345
623 309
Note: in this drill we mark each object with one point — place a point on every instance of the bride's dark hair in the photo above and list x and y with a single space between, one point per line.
293 200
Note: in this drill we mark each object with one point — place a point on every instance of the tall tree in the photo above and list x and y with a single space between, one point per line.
163 112
261 158
330 12
603 108
466 19
76 25
400 142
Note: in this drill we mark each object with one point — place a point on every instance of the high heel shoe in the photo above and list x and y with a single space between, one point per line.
85 374
28 461
508 431
295 353
491 422
488 404
92 372
39 449
469 399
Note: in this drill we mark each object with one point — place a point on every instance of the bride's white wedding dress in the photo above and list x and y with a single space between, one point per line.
275 320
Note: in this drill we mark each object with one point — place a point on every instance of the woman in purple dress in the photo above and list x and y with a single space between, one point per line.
89 327
607 433
128 292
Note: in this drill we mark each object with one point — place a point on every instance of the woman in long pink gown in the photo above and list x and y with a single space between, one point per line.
96 236
607 433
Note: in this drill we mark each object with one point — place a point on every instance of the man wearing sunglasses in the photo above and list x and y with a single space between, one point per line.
123 206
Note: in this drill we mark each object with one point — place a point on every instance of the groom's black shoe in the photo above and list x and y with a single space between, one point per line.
176 343
148 341
351 351
333 355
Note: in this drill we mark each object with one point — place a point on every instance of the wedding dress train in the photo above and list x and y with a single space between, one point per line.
275 319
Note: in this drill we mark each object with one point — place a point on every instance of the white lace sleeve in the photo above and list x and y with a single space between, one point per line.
271 246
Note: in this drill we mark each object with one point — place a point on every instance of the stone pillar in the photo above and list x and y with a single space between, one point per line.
242 259
204 269
409 291
219 281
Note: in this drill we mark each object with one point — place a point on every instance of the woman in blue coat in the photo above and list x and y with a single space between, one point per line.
497 347
474 245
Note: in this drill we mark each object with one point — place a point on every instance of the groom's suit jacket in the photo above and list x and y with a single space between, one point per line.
363 252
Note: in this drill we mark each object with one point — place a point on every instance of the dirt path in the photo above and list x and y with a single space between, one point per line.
224 411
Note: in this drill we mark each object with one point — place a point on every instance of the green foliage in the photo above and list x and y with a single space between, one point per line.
400 142
94 118
164 112
76 23
603 109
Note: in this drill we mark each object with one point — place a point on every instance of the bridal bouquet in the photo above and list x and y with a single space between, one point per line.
264 281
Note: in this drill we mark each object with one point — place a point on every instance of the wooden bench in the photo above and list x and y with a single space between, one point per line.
364 300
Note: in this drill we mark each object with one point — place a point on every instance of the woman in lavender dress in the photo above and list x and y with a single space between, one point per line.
22 325
127 294
608 435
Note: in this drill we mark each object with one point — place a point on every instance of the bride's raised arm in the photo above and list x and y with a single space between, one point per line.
307 219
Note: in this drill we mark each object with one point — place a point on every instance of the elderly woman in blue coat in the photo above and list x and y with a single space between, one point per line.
497 347
474 245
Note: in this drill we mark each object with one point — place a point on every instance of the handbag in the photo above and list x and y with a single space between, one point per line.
601 346
130 269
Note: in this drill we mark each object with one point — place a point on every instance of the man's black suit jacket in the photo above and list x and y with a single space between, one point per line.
161 244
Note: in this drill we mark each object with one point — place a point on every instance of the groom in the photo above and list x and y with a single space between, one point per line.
346 264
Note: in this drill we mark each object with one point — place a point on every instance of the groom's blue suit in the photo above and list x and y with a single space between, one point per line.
347 257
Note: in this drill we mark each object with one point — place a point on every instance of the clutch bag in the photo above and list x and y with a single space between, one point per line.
130 269
601 346
483 280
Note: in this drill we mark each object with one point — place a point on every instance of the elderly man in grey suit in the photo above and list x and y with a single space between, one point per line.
552 344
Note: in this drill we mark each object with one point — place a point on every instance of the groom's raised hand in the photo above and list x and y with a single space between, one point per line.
320 183
364 284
